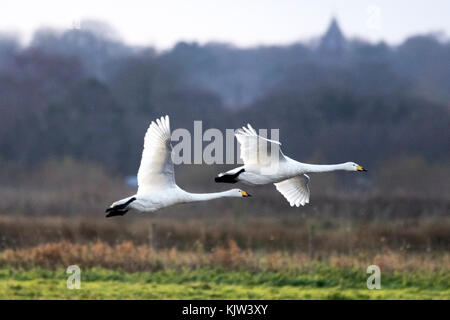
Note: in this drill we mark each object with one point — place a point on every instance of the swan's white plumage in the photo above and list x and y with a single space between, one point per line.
156 170
295 190
255 149
156 178
265 163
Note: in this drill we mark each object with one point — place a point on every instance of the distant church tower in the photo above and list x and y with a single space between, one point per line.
333 41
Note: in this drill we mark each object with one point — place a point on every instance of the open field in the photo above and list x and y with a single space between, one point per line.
321 252
325 283
334 227
127 271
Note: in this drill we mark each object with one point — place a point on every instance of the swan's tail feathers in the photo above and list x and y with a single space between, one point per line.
119 208
228 177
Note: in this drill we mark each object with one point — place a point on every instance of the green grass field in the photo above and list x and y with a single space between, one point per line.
325 282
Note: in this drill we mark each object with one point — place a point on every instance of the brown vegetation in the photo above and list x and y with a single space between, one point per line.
285 232
54 213
130 257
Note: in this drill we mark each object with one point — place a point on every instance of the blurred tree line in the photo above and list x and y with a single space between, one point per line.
89 96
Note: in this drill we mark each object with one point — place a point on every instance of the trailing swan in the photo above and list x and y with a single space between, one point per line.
265 163
156 180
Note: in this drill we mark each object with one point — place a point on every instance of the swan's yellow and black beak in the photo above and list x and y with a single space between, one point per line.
245 194
359 168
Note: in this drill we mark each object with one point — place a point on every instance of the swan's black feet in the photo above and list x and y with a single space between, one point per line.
120 209
115 212
229 178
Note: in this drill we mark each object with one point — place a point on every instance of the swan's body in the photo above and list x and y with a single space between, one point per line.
265 163
157 188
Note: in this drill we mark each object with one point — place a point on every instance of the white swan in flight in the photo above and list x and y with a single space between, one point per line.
156 180
265 163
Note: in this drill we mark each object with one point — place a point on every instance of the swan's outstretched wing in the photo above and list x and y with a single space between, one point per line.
295 190
156 169
256 149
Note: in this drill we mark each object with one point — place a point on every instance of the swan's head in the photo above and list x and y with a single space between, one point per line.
351 166
240 193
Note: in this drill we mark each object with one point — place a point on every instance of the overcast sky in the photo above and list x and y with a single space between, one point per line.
243 22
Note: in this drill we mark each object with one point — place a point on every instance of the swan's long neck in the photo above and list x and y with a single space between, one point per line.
194 197
305 167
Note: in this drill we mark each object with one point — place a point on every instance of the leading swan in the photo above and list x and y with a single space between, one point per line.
265 163
156 180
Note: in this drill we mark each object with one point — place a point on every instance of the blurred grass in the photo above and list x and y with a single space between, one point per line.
316 234
133 258
52 217
128 271
324 282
